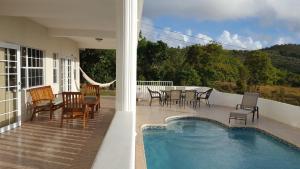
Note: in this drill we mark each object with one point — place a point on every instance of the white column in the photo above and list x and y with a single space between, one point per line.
118 147
127 36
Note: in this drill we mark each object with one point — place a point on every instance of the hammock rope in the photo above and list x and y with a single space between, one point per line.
91 81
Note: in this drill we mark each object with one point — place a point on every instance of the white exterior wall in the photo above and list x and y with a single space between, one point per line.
24 32
282 112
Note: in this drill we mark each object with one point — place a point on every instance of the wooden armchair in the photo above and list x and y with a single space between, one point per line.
93 91
74 107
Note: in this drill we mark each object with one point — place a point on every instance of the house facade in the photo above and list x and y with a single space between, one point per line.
31 58
40 43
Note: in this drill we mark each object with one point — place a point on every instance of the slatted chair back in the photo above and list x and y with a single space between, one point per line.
92 90
72 102
41 93
249 100
175 94
190 95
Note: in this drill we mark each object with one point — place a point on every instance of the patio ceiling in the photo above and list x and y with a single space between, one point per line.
79 20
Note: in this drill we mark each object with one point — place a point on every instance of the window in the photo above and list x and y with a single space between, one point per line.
75 70
69 74
32 71
55 68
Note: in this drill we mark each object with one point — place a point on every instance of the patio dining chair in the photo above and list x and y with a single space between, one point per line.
190 98
204 96
248 106
174 96
154 95
74 107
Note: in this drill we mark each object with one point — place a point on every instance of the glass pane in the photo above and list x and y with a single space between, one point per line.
33 54
12 53
12 80
4 119
30 82
23 82
37 54
4 107
4 94
12 105
33 82
2 67
13 117
30 61
29 73
3 80
34 62
2 54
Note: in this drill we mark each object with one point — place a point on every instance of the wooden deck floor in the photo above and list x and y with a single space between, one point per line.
42 144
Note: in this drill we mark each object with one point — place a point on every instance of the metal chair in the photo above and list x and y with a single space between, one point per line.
154 95
174 96
190 98
205 96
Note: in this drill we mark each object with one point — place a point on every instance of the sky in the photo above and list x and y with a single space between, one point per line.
236 24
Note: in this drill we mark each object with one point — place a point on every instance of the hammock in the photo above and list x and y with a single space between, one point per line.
91 81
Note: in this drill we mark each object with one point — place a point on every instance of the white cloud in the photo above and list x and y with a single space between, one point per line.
286 11
175 39
203 39
284 40
234 41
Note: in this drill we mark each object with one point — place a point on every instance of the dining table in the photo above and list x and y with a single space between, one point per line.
92 102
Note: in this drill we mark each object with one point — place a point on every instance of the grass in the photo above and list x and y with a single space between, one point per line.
286 94
107 92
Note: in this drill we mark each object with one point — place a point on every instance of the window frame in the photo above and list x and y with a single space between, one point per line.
33 72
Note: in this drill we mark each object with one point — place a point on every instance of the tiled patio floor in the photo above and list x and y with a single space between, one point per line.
156 115
42 144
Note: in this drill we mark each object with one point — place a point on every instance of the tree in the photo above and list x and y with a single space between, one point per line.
100 65
260 68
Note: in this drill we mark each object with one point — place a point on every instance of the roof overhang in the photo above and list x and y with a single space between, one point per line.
78 20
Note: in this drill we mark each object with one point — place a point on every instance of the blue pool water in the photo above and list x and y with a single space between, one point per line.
196 144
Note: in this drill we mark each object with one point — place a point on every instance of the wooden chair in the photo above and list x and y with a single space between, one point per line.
93 91
43 99
74 107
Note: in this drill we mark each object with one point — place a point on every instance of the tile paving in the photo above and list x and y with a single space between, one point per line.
156 115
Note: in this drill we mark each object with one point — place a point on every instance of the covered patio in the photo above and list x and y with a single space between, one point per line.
43 144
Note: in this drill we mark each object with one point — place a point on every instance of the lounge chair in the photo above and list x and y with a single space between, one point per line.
204 96
154 95
248 106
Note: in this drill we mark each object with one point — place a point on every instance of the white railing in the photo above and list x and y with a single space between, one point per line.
142 87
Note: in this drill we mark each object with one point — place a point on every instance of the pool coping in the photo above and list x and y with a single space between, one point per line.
177 117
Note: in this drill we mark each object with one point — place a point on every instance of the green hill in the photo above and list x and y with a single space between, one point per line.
285 57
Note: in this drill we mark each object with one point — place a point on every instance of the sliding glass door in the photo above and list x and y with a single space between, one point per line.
10 115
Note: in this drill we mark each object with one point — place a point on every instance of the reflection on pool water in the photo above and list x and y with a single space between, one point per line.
197 144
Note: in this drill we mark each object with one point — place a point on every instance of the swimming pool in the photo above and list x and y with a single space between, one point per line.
198 144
